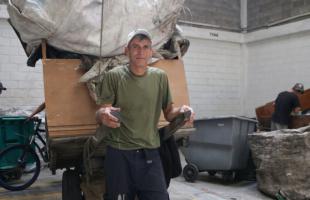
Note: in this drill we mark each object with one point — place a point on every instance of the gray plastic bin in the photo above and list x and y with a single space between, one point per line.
218 144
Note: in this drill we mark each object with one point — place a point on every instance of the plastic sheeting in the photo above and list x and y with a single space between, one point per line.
75 25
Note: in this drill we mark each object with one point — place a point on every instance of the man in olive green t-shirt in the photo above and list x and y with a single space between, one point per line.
137 93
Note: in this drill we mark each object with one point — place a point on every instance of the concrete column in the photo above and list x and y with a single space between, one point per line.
244 15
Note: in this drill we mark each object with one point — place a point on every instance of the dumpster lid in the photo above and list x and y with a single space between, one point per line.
229 116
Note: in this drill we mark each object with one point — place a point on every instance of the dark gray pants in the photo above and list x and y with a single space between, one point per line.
131 173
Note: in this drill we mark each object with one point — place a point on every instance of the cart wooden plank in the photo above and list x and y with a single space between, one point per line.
69 106
70 110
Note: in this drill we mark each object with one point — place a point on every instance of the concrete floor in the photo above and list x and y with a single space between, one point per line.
214 188
48 187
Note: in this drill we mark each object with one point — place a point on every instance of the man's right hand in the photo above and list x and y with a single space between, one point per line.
104 116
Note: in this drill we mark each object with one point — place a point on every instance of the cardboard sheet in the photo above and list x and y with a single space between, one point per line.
70 110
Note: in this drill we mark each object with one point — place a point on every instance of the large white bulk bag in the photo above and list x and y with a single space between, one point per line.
75 25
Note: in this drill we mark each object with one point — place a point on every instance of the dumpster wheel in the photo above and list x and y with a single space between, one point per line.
211 172
228 176
190 172
71 185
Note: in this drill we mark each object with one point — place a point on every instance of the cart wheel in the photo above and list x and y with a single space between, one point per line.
211 172
71 185
190 172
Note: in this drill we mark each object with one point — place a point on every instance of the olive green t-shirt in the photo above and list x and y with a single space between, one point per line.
140 99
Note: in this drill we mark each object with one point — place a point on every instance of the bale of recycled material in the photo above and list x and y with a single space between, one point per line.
282 159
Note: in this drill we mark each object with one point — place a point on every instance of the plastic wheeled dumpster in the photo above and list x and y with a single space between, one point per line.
218 144
15 130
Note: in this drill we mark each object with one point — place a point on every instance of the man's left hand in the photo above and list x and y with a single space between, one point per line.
185 108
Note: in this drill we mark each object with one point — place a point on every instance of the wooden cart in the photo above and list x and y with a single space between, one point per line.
70 113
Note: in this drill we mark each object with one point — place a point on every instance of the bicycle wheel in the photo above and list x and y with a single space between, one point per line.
19 167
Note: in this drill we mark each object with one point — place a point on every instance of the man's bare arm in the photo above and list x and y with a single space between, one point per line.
171 112
40 108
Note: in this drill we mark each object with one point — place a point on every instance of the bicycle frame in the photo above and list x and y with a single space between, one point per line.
42 150
35 137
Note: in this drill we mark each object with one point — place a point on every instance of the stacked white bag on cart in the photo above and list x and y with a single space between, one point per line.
75 25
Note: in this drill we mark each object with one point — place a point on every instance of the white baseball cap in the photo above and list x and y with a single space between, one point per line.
136 32
299 87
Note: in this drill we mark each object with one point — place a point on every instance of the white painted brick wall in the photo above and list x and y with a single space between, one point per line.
24 84
227 73
213 70
275 65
